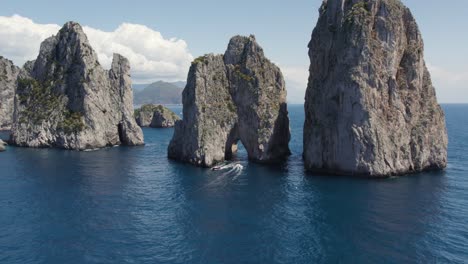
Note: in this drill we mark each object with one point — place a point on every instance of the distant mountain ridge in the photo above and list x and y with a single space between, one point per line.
180 84
139 87
158 93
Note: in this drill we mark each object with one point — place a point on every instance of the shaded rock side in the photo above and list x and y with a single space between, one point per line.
65 99
370 105
8 76
238 96
156 116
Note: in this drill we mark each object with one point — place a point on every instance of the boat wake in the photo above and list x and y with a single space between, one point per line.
225 172
226 166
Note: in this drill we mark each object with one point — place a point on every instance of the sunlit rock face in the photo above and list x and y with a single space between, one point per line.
370 105
8 75
240 96
65 99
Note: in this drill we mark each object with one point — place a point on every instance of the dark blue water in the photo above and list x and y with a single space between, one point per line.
132 205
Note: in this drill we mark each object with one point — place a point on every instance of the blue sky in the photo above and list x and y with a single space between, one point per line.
283 28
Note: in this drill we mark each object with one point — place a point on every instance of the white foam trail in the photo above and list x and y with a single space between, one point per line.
225 172
90 150
238 170
228 166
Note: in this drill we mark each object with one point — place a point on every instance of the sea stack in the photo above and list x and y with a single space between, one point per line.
155 116
238 96
8 75
371 109
65 99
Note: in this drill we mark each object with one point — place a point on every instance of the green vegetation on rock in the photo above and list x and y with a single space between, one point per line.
232 108
201 59
359 12
151 108
39 99
73 122
244 76
145 108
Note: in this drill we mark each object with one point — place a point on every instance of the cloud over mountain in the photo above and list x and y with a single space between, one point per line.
155 58
152 56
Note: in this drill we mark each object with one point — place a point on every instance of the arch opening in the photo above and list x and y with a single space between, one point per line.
235 151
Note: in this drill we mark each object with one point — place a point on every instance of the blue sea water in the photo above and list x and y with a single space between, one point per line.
132 205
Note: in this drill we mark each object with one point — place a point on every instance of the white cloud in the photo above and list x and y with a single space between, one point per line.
20 38
451 86
296 78
448 76
154 57
151 56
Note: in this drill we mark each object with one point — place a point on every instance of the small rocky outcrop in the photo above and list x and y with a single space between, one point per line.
2 146
8 75
65 99
156 116
371 108
238 96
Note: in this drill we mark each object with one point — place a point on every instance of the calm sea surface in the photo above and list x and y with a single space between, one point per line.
132 205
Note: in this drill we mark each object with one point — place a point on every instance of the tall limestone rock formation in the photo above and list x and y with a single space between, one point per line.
370 106
238 96
8 75
65 99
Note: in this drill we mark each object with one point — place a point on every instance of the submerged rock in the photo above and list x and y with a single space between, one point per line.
156 116
370 105
8 75
238 96
65 99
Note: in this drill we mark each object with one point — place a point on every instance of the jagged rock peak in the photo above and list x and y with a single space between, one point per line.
156 116
240 47
238 96
8 74
370 105
65 99
70 47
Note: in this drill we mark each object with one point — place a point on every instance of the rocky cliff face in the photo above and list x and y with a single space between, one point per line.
65 99
370 105
8 75
2 146
238 96
156 116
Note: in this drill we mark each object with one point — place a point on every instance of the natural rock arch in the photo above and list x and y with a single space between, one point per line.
240 96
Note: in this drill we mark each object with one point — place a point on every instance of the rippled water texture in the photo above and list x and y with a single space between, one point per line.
132 205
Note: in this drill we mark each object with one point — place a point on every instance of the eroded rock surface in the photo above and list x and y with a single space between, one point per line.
2 146
370 105
8 75
65 99
156 116
238 96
